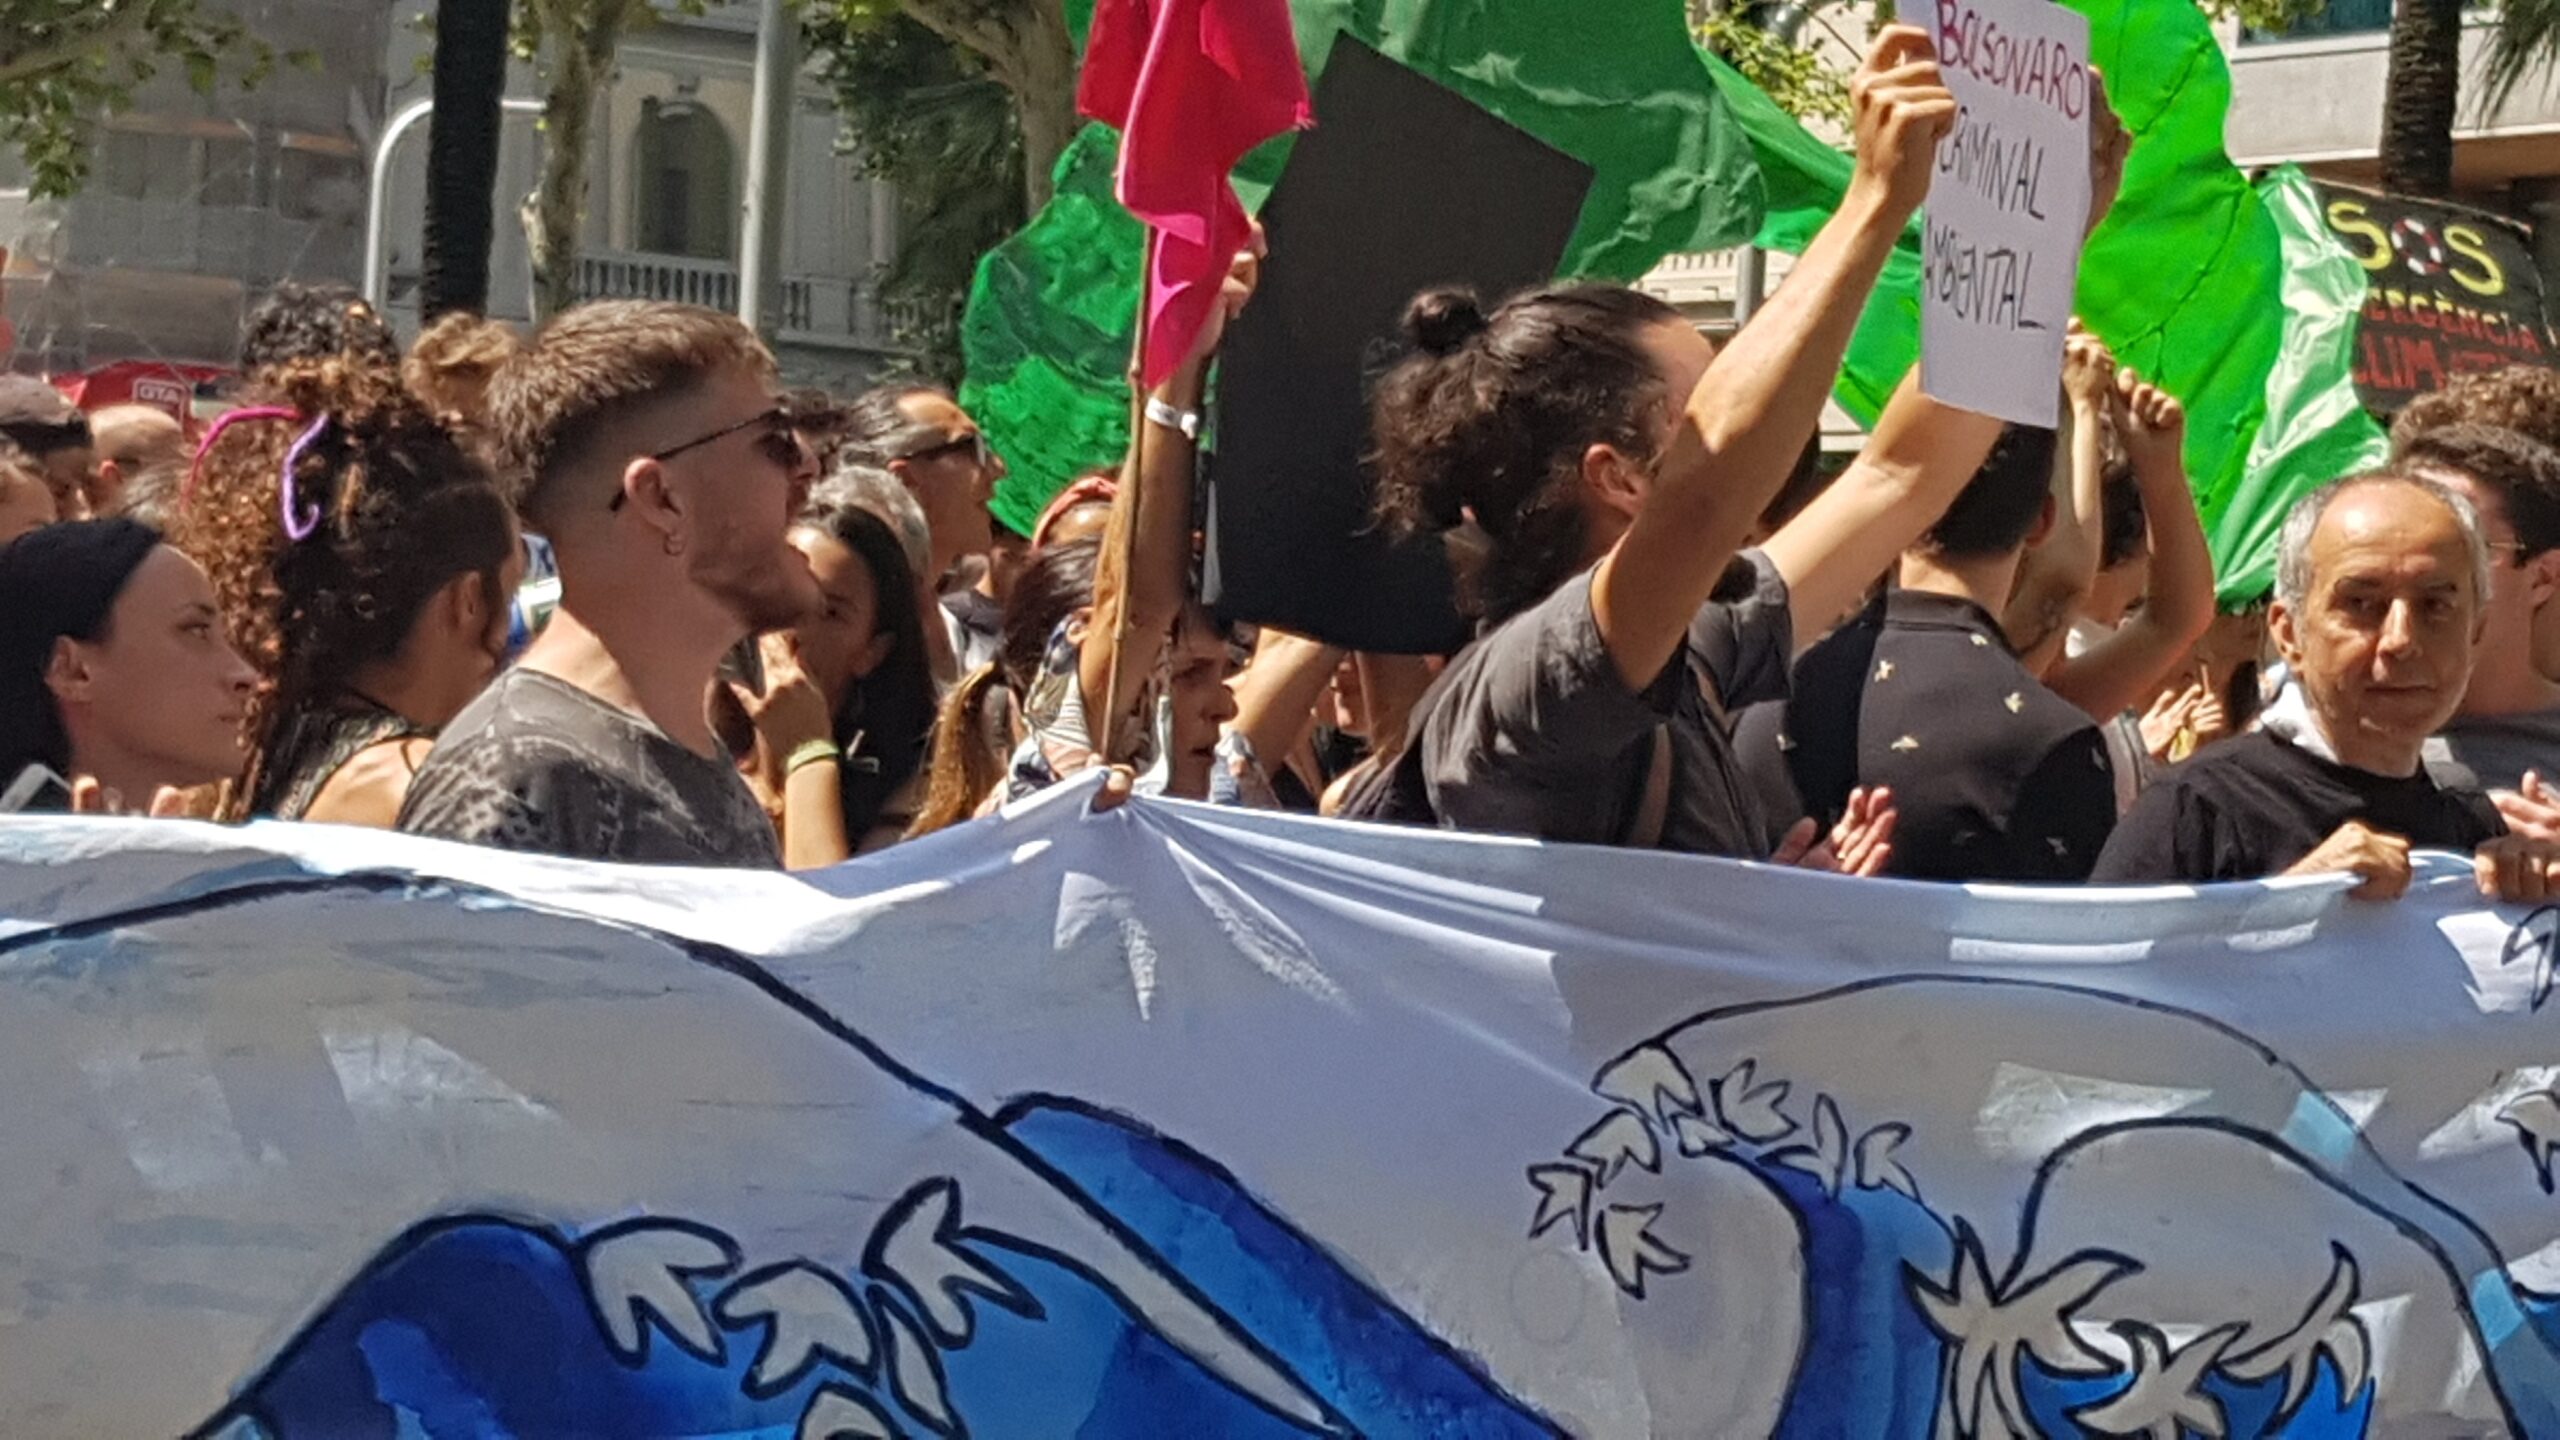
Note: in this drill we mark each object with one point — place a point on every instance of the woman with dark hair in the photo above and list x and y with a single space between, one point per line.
977 728
863 657
364 562
116 680
1606 475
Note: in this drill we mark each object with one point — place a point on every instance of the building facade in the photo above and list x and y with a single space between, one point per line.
196 206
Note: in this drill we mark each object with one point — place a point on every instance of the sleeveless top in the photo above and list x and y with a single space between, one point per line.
310 747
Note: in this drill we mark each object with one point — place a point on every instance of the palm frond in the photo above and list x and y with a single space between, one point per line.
2525 39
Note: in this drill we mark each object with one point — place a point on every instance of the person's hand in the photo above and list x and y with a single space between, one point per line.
2518 869
2151 424
791 712
1119 782
88 797
2380 860
1243 275
1863 840
1901 109
2208 721
2533 810
2167 719
2109 146
1861 844
2088 372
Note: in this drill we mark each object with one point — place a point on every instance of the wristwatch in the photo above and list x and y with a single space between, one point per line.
1186 421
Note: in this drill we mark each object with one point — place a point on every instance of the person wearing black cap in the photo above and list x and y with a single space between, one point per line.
42 422
114 668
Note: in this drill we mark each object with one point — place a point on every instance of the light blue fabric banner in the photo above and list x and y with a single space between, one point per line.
1185 1122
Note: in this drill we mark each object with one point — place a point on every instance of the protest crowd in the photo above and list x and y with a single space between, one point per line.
788 631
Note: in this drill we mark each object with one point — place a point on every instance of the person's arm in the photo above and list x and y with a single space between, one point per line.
1921 455
2059 571
2115 675
1746 422
1276 695
802 762
1134 608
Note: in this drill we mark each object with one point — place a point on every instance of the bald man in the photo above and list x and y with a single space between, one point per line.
129 439
2381 588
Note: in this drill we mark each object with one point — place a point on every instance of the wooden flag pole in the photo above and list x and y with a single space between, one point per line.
1124 537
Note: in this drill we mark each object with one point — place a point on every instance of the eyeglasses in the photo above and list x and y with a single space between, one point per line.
781 443
975 442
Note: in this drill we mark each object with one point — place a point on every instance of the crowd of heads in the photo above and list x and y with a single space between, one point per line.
610 589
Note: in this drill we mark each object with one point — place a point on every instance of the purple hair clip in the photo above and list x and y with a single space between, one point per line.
298 526
204 447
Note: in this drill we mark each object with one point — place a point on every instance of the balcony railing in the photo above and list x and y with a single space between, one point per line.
816 309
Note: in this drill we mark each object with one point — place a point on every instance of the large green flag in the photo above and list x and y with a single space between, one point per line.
1617 85
2208 286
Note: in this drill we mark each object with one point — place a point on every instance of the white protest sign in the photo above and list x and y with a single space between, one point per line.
2006 213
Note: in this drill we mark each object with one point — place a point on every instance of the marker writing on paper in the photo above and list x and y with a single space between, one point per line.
1978 285
2037 67
2007 170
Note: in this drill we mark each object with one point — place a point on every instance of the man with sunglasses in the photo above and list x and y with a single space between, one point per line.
655 455
918 433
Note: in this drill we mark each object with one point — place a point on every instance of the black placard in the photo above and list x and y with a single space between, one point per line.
1402 186
2449 290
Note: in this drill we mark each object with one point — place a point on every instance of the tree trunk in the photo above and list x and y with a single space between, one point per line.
462 155
1027 49
583 38
2419 97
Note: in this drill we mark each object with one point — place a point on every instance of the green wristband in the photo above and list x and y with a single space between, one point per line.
811 752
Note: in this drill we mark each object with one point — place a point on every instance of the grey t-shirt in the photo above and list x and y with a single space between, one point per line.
1532 731
538 764
2498 749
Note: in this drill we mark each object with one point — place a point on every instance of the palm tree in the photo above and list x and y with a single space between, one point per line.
2424 89
462 155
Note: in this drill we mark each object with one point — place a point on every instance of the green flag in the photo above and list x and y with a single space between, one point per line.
1620 88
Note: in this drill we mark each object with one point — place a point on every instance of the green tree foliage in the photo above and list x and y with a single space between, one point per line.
66 64
924 114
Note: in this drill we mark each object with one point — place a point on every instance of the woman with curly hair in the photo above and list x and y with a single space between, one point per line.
363 560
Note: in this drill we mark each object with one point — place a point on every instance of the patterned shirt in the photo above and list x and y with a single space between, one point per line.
538 764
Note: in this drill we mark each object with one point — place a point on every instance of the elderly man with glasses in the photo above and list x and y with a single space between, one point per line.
2380 591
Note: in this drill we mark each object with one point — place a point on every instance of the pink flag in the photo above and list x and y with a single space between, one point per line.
1192 85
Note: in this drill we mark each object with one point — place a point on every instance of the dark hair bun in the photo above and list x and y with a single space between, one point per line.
1441 322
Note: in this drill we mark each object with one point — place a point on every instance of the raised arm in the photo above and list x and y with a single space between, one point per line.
1919 456
2058 572
1276 695
2121 671
1746 421
1134 607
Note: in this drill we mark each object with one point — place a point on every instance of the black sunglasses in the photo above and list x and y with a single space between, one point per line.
975 442
781 444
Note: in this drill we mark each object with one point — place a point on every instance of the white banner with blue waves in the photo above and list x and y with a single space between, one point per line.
1185 1122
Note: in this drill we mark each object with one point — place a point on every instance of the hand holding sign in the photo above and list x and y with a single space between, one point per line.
1902 110
2027 170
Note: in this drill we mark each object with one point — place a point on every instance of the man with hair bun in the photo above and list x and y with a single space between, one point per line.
2379 588
650 446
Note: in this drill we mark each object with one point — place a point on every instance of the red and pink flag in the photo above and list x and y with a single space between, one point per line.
1192 85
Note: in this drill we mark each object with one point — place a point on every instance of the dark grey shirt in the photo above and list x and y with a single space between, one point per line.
1532 731
2499 749
538 764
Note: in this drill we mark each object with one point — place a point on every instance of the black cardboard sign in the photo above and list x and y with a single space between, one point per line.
1402 186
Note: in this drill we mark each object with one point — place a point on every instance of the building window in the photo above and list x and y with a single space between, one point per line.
685 200
2338 17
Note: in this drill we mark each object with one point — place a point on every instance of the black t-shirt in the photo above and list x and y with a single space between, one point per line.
538 764
1995 776
2252 807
